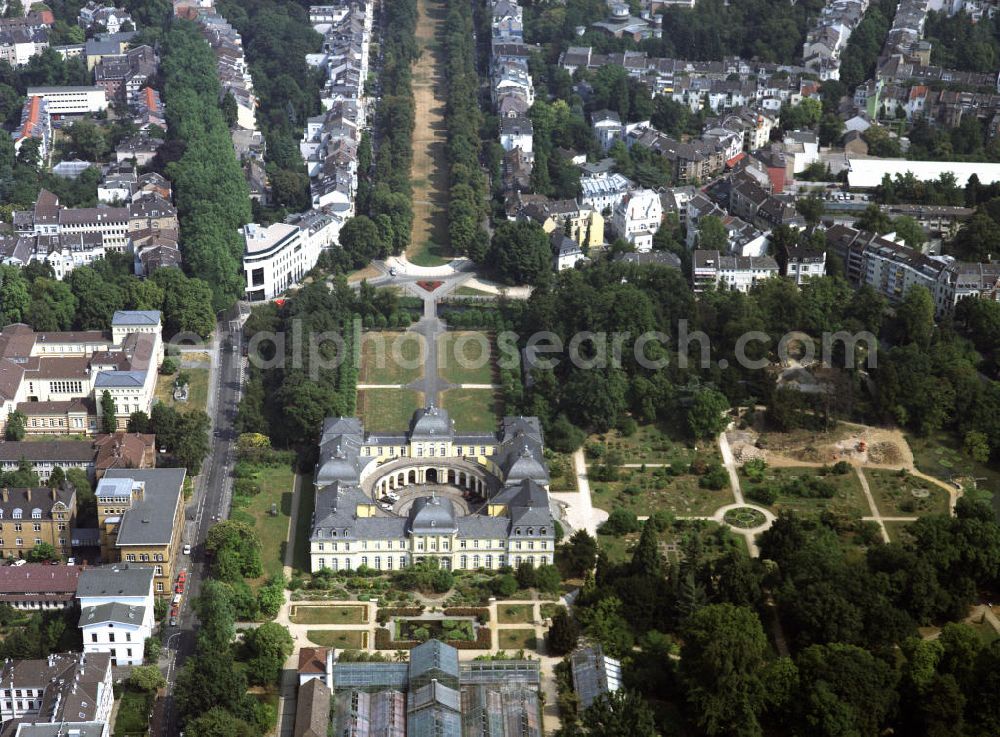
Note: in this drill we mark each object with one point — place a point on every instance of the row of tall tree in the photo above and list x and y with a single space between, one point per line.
212 199
466 183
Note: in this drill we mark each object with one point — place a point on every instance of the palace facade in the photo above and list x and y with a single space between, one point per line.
433 470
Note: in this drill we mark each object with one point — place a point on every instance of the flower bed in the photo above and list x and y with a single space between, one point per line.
384 641
430 286
480 613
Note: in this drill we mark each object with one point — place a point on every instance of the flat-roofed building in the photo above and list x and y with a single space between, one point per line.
72 100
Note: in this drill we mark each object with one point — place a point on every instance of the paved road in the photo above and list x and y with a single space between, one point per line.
211 500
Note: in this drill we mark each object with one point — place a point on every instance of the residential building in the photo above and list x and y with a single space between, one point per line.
113 20
116 611
312 710
71 100
622 24
607 127
44 456
803 148
63 729
32 516
594 675
106 44
124 76
637 218
276 257
583 224
507 468
49 218
800 263
516 132
36 125
316 663
892 269
139 150
603 192
740 273
567 252
38 586
651 258
57 689
140 514
23 38
56 378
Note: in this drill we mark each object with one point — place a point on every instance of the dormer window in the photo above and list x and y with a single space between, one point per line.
36 513
543 531
17 513
517 530
531 530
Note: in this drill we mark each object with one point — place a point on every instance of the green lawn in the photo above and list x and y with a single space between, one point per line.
198 389
549 609
340 639
466 357
517 639
133 713
644 492
303 523
849 498
515 613
276 488
302 614
391 357
473 410
897 531
905 496
388 410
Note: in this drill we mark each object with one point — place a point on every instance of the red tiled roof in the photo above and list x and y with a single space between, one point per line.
38 578
32 120
313 659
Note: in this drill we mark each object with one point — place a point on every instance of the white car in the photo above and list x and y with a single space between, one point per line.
392 495
187 550
385 507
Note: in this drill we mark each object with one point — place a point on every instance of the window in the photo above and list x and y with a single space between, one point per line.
489 561
157 570
111 637
37 526
17 527
322 562
364 560
320 546
465 561
36 513
159 586
17 513
463 544
19 542
378 563
128 651
128 637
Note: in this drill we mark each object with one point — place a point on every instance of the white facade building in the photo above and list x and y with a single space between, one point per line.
741 273
72 100
603 191
116 609
637 218
276 257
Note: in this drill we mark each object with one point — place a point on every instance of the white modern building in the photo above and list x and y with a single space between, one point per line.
278 256
71 100
116 610
637 218
740 273
604 191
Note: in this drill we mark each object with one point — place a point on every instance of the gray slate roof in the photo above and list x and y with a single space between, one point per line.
150 521
112 612
121 579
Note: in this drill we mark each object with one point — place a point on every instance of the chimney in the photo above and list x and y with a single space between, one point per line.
27 493
6 494
55 494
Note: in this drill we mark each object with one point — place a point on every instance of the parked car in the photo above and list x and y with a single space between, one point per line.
179 588
20 562
183 575
176 600
173 621
187 550
174 611
71 561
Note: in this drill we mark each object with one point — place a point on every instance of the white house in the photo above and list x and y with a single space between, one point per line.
567 251
516 132
637 218
607 127
603 191
116 611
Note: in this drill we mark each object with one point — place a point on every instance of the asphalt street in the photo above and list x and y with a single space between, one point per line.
209 503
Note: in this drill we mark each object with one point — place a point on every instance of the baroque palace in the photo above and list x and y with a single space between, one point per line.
472 501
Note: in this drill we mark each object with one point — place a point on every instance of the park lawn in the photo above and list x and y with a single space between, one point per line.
550 609
198 389
651 443
897 531
848 500
941 456
340 639
275 488
515 613
473 410
391 357
388 410
517 639
303 524
466 357
313 614
894 494
645 492
133 713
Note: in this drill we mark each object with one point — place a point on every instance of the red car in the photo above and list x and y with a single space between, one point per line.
182 576
174 611
179 588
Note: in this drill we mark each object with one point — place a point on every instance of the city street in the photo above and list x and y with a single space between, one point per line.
210 502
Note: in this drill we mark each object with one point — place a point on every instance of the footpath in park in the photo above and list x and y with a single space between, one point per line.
429 236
